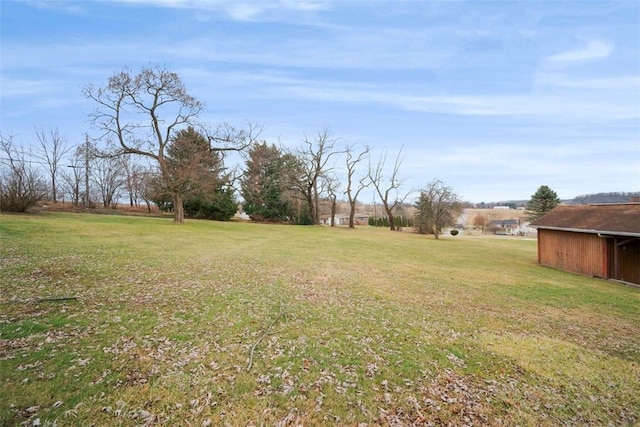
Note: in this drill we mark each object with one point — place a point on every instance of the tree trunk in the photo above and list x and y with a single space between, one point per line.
312 211
53 188
352 214
316 200
392 224
333 211
178 209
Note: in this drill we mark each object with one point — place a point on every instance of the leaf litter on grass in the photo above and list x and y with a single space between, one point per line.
165 338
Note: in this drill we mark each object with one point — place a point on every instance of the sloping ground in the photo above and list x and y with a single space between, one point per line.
245 324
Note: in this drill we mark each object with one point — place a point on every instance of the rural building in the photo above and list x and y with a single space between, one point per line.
593 240
505 226
343 219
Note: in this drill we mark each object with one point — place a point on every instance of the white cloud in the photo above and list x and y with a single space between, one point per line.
21 87
244 11
518 168
526 104
593 50
239 10
68 7
476 96
628 83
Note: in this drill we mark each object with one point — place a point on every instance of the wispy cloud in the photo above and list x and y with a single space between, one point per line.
342 48
485 95
519 169
21 87
66 6
593 50
271 80
239 10
555 107
622 82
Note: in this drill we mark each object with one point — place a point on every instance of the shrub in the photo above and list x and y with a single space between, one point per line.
454 232
20 188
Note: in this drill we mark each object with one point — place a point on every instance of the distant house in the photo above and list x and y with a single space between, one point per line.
343 219
505 226
593 240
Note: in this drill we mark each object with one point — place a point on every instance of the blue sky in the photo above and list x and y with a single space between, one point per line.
495 98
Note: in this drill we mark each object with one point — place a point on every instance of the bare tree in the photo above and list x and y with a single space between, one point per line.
388 188
331 185
141 113
133 175
108 177
73 175
316 154
53 147
481 221
20 184
353 190
437 207
147 187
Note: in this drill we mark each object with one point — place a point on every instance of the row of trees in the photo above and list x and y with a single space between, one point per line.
56 171
276 185
144 114
152 148
84 176
272 185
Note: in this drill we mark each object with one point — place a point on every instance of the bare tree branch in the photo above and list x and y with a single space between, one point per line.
20 184
316 153
141 113
351 192
53 147
388 188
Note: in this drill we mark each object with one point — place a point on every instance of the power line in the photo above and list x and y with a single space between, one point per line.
23 161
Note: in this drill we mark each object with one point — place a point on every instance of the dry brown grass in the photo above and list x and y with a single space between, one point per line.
346 327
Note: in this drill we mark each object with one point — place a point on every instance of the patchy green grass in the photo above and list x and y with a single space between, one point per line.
243 324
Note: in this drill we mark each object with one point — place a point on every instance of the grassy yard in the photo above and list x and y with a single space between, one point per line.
243 324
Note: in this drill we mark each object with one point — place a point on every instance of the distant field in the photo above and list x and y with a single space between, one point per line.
116 320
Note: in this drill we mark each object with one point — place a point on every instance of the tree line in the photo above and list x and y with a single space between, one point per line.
152 148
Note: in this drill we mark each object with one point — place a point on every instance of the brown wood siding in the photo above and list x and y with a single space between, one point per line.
580 253
629 259
608 261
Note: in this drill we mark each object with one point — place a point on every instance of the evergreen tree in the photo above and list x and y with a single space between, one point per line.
270 186
541 202
198 175
219 205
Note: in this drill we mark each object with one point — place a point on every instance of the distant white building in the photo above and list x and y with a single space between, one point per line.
343 219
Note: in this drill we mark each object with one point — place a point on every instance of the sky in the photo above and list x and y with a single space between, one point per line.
493 98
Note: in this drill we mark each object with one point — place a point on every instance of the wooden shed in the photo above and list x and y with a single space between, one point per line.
593 240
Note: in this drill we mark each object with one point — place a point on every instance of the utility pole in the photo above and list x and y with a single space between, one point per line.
86 172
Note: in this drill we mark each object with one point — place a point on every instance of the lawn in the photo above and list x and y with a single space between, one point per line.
116 320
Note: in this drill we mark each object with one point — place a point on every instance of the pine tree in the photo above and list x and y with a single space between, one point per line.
270 184
541 202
